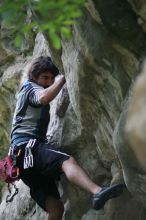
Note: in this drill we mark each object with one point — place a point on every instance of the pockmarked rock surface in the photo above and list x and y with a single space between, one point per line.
88 117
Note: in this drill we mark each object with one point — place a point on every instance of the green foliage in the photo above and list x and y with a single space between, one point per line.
53 16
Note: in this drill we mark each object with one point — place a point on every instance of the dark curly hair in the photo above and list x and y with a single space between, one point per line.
41 65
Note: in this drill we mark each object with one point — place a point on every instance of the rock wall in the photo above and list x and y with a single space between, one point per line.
88 117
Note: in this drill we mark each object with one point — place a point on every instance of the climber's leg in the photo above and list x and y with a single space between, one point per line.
78 176
55 208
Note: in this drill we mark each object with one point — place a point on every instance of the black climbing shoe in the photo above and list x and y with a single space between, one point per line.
106 193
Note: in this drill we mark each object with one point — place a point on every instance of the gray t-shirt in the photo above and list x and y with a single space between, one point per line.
31 118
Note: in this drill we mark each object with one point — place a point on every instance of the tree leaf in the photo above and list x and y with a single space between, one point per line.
18 40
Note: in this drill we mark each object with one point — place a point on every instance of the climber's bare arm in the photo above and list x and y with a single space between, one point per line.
52 91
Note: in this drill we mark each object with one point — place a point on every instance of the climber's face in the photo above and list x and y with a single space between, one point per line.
45 79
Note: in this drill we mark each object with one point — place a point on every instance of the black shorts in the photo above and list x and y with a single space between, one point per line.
46 170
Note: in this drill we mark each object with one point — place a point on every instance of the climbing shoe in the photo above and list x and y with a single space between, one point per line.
106 193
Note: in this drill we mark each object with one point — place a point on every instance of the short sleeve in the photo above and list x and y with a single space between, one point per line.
34 95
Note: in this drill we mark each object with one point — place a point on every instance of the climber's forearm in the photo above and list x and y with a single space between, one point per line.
52 91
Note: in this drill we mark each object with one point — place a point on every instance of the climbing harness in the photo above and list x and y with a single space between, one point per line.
9 172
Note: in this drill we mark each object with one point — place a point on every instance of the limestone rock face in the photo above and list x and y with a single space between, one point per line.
88 117
136 119
140 8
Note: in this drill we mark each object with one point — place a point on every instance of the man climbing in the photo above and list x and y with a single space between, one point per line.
40 164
